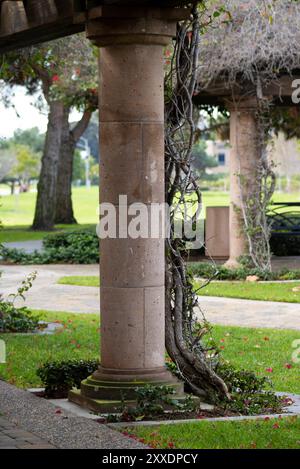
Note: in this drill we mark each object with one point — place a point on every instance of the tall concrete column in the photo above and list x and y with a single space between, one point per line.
132 165
244 161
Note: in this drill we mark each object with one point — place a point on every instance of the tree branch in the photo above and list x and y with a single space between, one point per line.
81 125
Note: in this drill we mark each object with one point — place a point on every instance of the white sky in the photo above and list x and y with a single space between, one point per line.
30 116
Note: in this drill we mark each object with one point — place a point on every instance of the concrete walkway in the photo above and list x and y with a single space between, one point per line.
30 420
47 294
26 246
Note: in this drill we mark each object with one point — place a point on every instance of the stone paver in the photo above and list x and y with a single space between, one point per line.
33 421
13 437
47 294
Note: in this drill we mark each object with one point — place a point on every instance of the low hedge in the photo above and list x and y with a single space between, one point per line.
207 270
59 377
285 244
73 247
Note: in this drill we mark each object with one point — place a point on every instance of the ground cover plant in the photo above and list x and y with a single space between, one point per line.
74 247
17 319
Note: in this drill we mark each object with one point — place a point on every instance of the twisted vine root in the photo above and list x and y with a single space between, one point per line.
184 346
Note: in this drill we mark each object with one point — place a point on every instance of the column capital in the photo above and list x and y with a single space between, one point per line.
115 25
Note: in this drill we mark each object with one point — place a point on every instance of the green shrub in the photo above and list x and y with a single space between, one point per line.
59 377
207 270
285 245
13 319
74 247
251 395
152 401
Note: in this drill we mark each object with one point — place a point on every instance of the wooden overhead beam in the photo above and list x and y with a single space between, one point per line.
28 22
218 94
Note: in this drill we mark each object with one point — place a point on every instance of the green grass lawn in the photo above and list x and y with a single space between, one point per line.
21 233
266 434
256 349
25 353
276 291
16 212
81 280
19 209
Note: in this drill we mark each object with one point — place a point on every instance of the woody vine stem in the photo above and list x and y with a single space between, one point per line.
184 336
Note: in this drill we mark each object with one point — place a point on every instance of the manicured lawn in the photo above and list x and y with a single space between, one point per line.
256 349
78 339
283 433
276 291
19 209
21 233
81 280
16 212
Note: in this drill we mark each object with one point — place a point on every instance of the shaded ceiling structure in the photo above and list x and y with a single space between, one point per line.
28 22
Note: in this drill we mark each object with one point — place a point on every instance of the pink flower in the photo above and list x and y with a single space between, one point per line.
55 78
288 366
269 370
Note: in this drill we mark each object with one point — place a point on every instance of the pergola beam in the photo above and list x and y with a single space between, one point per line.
28 22
219 93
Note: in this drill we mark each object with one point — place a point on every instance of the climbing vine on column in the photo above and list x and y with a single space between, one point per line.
184 335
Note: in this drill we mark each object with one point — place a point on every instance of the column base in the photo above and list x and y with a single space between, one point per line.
106 391
232 264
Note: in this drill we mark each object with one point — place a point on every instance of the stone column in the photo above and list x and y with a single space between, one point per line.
132 165
244 160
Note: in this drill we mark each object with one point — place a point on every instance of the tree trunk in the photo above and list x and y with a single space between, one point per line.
64 207
46 197
12 188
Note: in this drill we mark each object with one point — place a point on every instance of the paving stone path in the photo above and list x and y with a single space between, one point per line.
47 294
32 422
13 437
